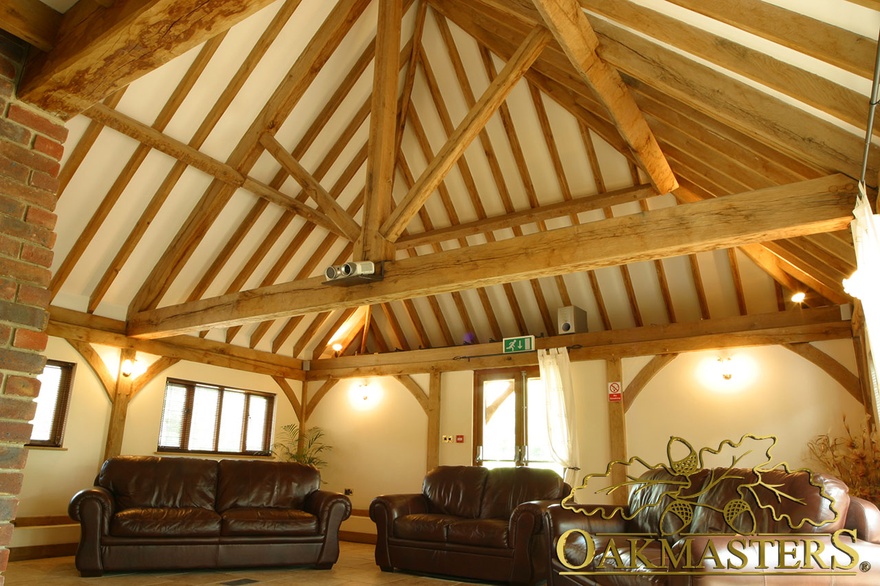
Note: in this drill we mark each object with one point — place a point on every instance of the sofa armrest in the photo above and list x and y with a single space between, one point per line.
93 508
864 517
558 520
527 520
527 540
391 506
383 511
576 528
331 509
328 507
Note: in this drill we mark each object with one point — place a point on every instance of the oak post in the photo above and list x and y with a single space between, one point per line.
616 429
433 410
119 410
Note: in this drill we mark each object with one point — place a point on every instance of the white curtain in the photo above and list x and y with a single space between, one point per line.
556 375
865 282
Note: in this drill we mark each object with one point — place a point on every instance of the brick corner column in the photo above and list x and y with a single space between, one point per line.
31 145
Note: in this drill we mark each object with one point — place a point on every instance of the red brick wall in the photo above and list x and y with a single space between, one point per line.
31 144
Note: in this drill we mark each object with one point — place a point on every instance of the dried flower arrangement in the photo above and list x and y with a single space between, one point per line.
853 458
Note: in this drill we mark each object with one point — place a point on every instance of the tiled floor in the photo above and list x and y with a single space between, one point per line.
355 567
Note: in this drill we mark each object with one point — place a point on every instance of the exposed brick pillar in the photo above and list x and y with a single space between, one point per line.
30 149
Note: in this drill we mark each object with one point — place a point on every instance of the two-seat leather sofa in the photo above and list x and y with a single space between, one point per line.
720 526
150 513
469 522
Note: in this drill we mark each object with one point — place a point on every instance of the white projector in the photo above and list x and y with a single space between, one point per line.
350 269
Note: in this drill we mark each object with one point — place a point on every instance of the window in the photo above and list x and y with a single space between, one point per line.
510 427
198 417
55 384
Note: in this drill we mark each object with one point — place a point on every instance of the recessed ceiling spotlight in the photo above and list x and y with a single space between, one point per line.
798 297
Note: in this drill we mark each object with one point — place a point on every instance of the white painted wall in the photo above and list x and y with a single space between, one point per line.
145 409
382 449
772 392
379 447
53 475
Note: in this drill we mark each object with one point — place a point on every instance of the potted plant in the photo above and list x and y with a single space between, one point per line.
853 458
305 447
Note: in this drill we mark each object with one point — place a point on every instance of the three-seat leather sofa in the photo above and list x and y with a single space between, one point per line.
718 527
151 513
469 522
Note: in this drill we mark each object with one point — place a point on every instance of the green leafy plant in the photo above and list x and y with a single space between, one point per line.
306 447
853 458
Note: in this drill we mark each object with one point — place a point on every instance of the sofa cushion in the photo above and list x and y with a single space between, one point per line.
165 522
268 521
662 504
423 526
479 532
773 502
158 482
254 483
455 490
508 487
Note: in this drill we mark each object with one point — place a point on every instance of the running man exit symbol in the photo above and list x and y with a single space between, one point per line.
518 344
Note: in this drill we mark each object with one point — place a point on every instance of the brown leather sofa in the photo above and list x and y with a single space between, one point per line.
723 526
469 522
149 513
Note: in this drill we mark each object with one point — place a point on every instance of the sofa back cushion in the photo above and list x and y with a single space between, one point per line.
255 483
661 503
157 482
508 487
455 490
773 501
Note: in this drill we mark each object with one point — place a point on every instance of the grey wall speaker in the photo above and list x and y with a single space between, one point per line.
570 320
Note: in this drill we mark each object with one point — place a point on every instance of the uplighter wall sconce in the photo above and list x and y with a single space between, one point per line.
720 372
127 368
725 367
364 395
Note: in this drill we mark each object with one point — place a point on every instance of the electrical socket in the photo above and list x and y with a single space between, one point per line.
348 492
447 439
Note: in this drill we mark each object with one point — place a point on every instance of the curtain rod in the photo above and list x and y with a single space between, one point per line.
872 105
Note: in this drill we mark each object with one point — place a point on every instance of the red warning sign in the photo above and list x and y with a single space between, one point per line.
615 392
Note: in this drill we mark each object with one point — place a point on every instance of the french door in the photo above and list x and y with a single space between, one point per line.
510 419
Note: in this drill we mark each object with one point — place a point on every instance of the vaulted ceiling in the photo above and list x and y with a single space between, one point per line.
652 162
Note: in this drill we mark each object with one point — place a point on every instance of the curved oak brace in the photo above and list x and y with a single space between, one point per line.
288 392
152 372
832 367
414 388
97 365
643 377
313 402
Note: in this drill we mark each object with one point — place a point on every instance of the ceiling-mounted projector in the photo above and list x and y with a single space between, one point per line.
352 272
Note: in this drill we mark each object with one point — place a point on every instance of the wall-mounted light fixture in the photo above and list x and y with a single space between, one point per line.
725 367
798 297
127 368
727 373
364 395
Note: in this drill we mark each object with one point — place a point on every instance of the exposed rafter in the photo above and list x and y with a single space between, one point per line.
96 54
759 216
576 37
500 180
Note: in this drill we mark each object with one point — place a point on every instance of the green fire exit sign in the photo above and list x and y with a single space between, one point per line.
518 344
